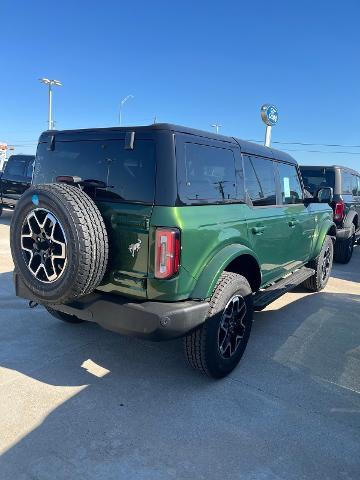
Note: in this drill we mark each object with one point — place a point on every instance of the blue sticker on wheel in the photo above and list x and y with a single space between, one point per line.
35 200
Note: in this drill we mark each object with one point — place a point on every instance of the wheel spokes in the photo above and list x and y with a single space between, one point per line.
232 327
44 245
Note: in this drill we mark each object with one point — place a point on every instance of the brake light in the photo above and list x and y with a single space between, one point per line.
339 211
167 252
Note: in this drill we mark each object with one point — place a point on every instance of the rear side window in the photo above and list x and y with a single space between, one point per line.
16 166
355 185
126 175
290 186
316 178
347 181
208 175
260 180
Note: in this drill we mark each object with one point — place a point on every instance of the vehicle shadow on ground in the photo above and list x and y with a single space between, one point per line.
134 403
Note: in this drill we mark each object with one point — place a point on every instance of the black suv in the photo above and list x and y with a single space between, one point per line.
15 179
346 203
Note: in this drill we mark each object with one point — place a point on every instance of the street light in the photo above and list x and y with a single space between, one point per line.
216 126
50 84
121 105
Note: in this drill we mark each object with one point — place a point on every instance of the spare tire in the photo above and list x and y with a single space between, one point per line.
58 242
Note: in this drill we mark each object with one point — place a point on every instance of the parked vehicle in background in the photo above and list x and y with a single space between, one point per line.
165 231
345 183
15 179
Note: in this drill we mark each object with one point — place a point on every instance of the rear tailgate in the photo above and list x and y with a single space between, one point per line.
121 181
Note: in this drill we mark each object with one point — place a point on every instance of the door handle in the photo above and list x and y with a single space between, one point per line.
258 230
292 223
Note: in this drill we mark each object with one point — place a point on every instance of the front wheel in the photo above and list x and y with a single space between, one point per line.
322 266
216 347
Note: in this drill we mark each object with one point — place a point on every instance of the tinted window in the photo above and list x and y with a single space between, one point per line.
355 185
260 180
126 175
16 166
346 182
29 169
209 175
290 186
316 178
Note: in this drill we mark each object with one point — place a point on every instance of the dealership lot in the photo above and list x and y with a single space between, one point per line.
77 401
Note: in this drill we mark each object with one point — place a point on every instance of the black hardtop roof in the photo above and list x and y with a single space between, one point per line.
246 147
319 167
21 155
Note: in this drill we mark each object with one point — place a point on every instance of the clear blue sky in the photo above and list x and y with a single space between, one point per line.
189 62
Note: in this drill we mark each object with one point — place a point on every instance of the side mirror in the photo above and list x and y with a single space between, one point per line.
325 195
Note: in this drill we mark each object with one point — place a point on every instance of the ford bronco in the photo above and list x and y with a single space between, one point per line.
164 231
345 204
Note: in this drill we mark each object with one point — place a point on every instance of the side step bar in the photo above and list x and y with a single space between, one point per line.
267 295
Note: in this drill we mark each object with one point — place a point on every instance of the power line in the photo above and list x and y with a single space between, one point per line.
321 151
310 144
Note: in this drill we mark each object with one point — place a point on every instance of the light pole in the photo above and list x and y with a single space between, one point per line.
216 126
50 84
125 99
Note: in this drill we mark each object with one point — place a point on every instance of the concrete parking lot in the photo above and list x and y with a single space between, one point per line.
78 402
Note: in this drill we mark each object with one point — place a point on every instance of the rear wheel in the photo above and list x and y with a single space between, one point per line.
64 317
344 248
322 266
216 347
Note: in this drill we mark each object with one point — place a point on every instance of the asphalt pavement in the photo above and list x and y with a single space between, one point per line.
79 402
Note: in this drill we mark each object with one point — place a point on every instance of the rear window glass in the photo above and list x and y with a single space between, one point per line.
314 179
126 175
209 175
16 166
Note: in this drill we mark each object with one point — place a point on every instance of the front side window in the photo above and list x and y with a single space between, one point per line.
260 180
209 175
290 186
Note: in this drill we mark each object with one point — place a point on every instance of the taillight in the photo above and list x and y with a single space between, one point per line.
167 252
339 211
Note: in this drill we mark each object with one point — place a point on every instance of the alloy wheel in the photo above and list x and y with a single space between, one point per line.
44 245
232 327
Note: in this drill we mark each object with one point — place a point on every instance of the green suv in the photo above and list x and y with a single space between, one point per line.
165 231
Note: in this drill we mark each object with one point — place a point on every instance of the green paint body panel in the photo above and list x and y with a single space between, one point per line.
126 224
211 237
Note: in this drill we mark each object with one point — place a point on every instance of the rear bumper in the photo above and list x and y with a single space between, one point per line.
153 320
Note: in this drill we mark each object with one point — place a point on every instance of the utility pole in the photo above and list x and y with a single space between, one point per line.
216 126
50 84
124 100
